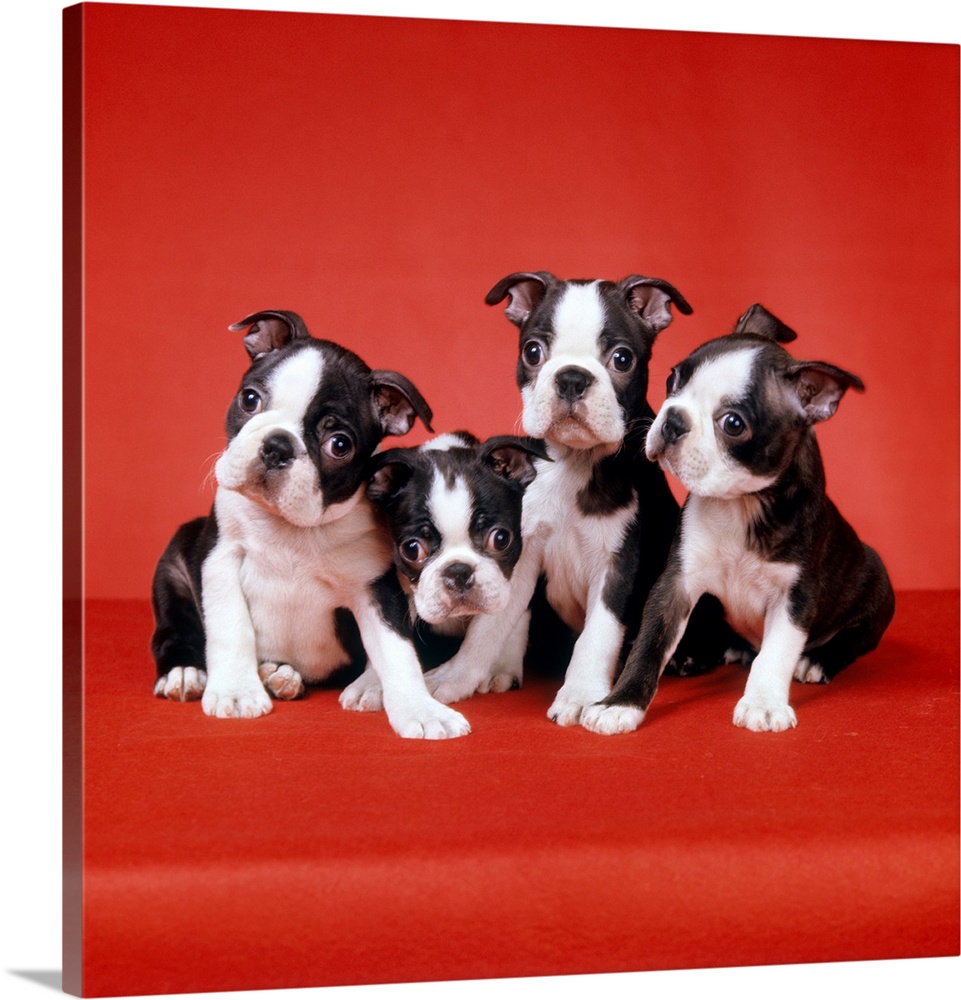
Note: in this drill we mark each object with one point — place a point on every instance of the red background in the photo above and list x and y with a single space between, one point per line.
379 175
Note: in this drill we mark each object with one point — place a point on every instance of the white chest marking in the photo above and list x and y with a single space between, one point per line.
577 550
717 560
294 578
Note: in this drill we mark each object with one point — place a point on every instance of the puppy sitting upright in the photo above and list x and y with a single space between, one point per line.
758 530
453 507
254 598
598 520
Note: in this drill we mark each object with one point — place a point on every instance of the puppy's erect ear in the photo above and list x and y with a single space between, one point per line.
397 403
269 330
525 288
390 471
651 298
818 387
759 321
512 457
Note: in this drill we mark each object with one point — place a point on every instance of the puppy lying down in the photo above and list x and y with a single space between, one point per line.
453 509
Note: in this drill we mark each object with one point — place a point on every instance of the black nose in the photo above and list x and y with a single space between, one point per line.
277 451
674 426
458 577
572 383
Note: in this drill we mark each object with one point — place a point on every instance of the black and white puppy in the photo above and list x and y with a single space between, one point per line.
598 520
758 530
453 508
257 598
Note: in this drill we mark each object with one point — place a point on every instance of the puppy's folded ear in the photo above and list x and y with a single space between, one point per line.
651 298
513 457
525 288
270 329
397 402
818 387
759 321
389 472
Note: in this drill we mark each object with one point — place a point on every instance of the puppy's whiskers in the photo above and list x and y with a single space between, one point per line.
637 431
210 477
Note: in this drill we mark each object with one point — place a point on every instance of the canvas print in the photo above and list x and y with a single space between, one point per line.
516 525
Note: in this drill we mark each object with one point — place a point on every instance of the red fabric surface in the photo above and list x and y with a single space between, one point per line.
313 847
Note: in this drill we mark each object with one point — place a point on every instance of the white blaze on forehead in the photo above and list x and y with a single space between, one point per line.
726 377
450 511
444 442
578 321
294 383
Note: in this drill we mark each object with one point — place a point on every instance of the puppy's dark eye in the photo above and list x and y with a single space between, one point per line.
499 540
250 401
732 425
622 360
413 551
672 382
339 447
534 354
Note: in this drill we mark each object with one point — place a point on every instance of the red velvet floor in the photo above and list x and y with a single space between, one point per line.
313 847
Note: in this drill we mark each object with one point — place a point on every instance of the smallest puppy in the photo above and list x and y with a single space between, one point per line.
757 531
453 509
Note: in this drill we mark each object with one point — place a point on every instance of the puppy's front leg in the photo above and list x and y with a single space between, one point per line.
591 671
234 688
666 614
508 672
764 706
411 710
487 660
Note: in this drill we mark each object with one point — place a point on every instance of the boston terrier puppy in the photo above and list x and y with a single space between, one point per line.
598 520
757 530
267 592
453 508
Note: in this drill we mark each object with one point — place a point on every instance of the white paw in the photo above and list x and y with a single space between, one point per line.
281 680
500 682
507 673
433 722
448 684
763 716
808 672
250 702
607 720
181 684
364 694
570 703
